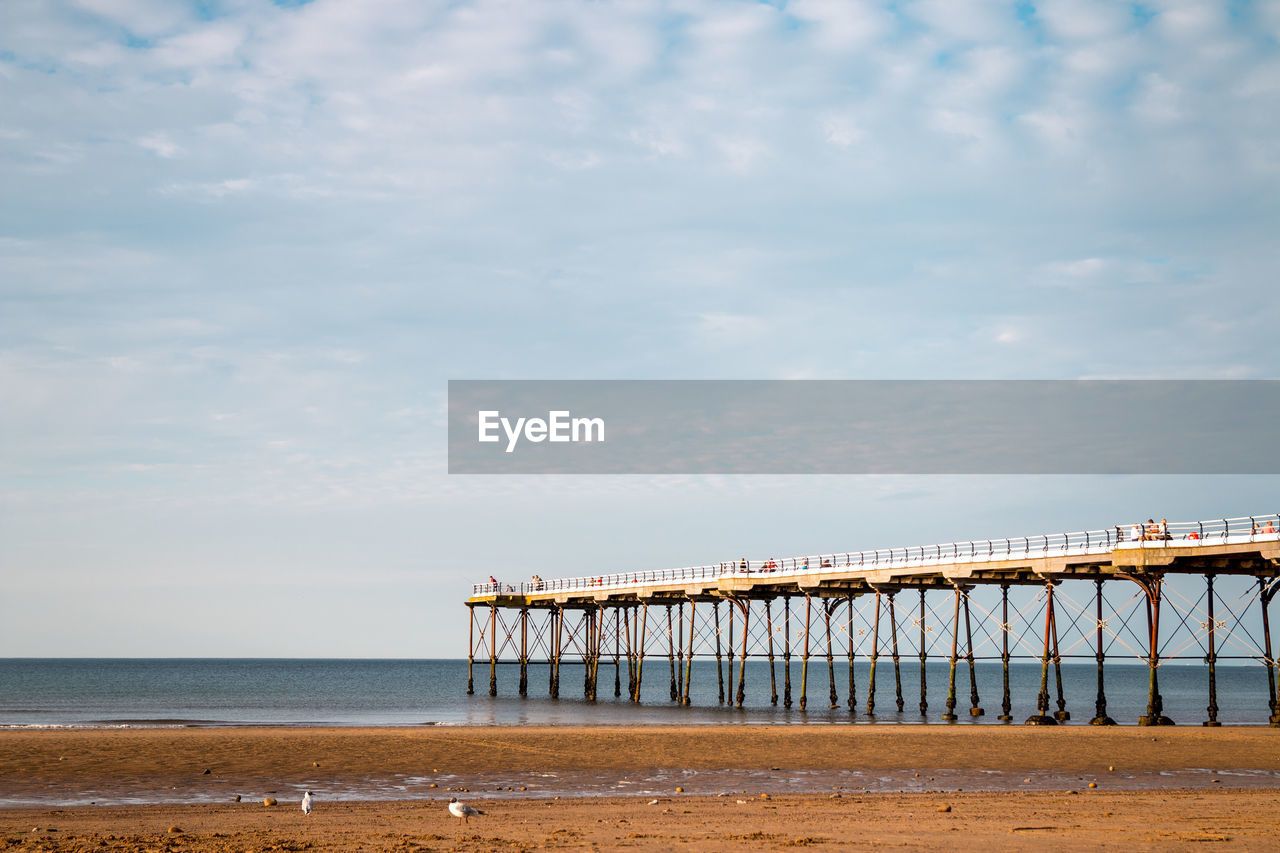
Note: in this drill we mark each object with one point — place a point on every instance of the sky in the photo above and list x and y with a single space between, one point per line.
244 245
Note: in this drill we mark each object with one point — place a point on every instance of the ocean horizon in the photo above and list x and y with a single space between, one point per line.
182 692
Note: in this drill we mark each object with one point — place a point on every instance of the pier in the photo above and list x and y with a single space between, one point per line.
1092 595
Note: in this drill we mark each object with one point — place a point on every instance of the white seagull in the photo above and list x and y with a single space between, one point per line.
462 810
306 803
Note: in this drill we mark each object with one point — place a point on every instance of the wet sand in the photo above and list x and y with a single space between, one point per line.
386 788
1235 820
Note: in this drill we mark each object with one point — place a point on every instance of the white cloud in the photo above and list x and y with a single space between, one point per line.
841 25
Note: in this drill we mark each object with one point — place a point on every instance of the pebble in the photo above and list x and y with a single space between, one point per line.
237 798
269 801
764 796
1111 768
742 802
315 764
433 785
679 790
944 809
175 829
653 802
1093 784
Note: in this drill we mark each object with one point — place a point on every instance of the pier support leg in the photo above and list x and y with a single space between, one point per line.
671 656
1062 714
786 651
924 657
1042 718
853 690
729 652
715 609
804 661
524 651
975 710
640 644
742 664
833 701
897 671
950 714
688 661
1100 717
773 675
875 656
1212 660
1006 704
471 650
617 659
1266 589
493 650
588 670
1151 585
631 657
557 643
680 654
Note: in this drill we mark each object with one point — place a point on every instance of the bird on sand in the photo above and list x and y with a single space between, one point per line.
306 803
462 810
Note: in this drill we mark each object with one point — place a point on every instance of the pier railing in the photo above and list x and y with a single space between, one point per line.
1141 535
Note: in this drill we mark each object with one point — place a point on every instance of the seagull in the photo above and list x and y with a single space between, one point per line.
306 803
462 810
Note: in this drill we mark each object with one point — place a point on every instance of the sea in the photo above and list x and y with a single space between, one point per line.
132 693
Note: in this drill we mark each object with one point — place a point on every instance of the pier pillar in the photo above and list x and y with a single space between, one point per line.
1042 718
617 662
975 710
924 657
557 626
680 653
688 661
897 672
631 657
833 701
773 676
786 652
1151 585
742 664
471 650
950 714
875 655
1212 659
1266 589
1100 717
715 609
493 650
1062 714
671 656
640 647
804 661
588 630
853 691
729 651
524 651
1006 704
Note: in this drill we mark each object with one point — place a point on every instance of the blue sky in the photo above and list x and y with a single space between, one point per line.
244 245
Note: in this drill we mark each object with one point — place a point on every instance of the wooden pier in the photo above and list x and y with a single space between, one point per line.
887 606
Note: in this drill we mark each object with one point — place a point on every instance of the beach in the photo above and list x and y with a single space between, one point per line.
764 787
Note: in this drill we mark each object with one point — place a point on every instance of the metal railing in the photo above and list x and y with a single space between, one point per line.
1151 534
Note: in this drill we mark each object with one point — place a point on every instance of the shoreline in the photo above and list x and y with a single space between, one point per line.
210 765
744 787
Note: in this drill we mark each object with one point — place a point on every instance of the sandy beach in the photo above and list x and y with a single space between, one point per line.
541 787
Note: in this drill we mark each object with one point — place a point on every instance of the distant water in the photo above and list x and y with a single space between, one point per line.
235 692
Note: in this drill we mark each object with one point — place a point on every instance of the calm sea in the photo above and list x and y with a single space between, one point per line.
234 692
